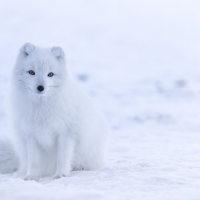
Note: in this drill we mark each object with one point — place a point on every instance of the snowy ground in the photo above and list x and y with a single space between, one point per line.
140 61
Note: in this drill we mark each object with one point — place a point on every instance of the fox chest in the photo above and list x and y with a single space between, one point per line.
43 124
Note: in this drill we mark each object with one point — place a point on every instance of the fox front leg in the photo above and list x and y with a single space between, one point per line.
33 160
65 149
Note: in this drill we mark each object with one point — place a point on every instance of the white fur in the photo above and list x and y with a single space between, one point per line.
8 160
57 130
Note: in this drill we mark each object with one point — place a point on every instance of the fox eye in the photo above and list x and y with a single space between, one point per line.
31 72
50 74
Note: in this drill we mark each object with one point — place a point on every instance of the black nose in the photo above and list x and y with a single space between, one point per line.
40 88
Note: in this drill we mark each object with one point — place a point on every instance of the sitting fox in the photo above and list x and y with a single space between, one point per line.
56 127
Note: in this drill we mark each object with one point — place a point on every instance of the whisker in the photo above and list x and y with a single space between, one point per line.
25 85
24 82
53 86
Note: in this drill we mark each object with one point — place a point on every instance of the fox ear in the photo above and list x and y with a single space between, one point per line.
27 49
58 53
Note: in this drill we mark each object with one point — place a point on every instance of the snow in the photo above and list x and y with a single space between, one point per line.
139 61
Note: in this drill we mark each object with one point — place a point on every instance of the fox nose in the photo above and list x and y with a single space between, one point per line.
40 88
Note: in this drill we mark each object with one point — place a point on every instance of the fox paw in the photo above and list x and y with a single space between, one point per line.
31 178
60 175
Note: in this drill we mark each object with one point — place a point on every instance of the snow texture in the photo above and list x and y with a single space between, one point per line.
139 61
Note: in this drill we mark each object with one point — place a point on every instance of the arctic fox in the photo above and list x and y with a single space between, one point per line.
57 129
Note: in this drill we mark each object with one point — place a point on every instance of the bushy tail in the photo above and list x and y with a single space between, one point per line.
8 158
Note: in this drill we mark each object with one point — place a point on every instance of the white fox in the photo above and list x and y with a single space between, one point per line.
57 129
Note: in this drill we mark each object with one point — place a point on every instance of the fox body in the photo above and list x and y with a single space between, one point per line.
57 129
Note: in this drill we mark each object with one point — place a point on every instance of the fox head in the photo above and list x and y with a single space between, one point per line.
40 71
